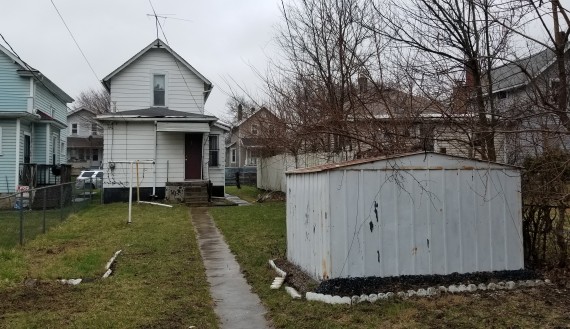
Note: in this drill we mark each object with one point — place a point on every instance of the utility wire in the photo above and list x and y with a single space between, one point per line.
176 61
74 40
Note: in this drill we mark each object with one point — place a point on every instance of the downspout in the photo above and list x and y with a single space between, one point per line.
155 157
16 178
48 140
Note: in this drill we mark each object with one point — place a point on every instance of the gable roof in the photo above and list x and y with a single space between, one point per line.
346 164
255 113
28 71
80 110
520 72
158 43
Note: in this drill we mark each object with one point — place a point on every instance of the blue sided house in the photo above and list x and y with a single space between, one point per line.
33 116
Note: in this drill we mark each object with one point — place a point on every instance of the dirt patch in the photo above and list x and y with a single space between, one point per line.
271 196
38 296
296 277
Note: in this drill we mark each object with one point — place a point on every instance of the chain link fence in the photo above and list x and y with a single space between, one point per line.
30 212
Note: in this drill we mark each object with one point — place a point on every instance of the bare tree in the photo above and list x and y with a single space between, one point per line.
97 101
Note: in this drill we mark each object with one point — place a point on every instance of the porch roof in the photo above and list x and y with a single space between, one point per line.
84 142
153 113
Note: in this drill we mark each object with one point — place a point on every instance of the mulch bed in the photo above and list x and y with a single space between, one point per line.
373 285
301 281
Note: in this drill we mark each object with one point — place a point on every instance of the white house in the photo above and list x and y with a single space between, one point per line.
157 115
84 140
412 214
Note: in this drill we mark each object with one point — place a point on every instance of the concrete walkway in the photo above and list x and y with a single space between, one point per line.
237 200
236 306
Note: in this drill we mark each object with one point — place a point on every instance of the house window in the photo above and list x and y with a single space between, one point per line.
53 149
27 148
74 128
95 154
233 155
254 129
214 151
158 90
93 129
502 94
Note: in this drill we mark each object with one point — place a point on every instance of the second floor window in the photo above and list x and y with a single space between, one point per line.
93 129
74 128
158 90
254 129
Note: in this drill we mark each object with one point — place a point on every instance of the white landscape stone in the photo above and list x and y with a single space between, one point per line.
345 300
382 296
442 289
355 299
501 285
482 286
389 294
453 289
401 294
462 288
292 292
471 288
492 286
431 291
363 298
510 285
336 300
422 292
372 298
411 293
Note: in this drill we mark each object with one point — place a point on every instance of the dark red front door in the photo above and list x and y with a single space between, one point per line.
193 155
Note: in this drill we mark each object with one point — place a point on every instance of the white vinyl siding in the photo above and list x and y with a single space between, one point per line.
131 88
1 141
8 157
135 141
217 174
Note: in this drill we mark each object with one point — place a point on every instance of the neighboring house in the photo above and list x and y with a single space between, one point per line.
33 113
158 116
248 137
84 140
525 91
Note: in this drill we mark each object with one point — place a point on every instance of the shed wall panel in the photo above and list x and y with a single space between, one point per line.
435 221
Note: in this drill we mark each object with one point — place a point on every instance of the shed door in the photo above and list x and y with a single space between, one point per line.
193 156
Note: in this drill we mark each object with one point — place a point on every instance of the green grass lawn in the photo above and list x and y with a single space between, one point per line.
158 279
257 233
33 222
246 192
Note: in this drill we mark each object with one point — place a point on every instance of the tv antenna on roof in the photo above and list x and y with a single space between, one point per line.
165 17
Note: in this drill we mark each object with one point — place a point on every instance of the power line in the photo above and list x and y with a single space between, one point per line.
74 40
159 25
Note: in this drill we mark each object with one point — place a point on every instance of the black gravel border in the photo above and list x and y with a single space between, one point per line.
373 285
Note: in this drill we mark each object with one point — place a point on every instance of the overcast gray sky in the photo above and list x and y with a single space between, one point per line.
221 40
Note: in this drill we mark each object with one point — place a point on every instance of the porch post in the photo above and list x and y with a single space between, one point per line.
17 178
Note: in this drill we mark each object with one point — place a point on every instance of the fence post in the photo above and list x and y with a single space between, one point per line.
61 201
21 218
44 210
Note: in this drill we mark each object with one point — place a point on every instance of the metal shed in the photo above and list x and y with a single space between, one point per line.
411 214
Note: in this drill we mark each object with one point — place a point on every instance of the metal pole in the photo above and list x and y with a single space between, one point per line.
44 210
61 201
21 218
138 188
130 194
